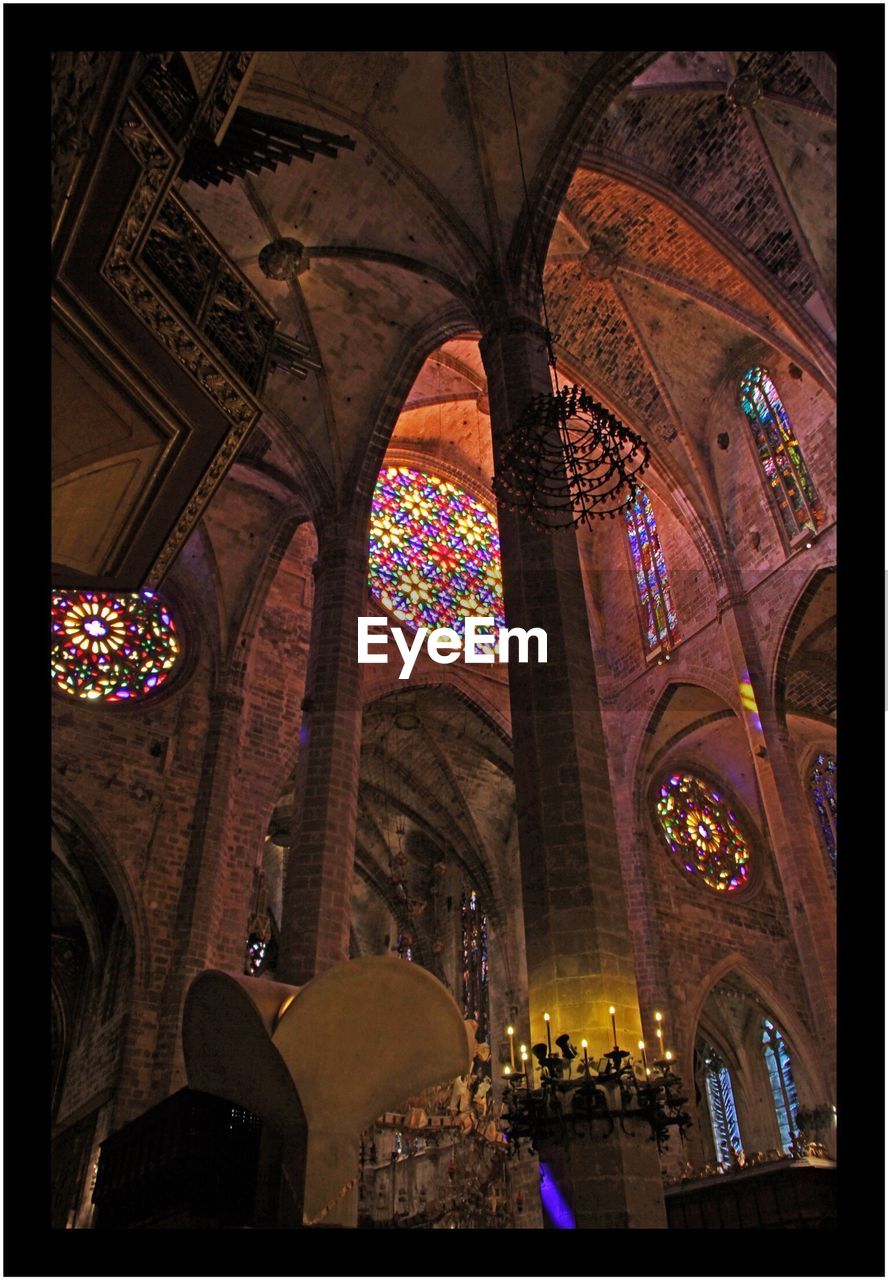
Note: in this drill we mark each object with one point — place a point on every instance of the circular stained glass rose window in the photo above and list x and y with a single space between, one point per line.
701 829
111 648
434 552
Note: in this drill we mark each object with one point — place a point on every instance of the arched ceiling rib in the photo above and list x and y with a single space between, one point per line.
692 233
760 172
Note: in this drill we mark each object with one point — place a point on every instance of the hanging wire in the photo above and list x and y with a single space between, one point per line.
533 243
566 459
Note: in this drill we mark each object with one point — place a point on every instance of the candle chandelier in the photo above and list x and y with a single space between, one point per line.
567 459
615 1088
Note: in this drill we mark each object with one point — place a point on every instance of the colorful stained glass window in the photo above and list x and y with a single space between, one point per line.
722 1109
780 456
822 785
657 610
783 1090
434 552
111 648
474 946
701 829
256 954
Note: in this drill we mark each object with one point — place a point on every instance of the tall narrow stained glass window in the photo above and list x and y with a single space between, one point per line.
822 785
722 1111
476 1003
657 610
780 457
786 1100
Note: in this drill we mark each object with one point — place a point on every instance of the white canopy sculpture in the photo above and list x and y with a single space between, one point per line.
320 1063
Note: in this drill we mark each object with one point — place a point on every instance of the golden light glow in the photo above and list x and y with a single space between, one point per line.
285 1004
524 1051
641 1044
658 1017
545 1017
612 1011
584 1044
668 1055
747 697
507 1071
510 1031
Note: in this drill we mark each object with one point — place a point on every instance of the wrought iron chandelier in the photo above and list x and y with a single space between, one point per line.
567 458
613 1089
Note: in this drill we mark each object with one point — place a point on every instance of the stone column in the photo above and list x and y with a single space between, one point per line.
579 953
801 866
317 891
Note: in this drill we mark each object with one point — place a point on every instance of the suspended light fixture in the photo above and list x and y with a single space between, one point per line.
567 458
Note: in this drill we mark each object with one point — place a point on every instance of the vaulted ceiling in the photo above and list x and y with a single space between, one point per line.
695 234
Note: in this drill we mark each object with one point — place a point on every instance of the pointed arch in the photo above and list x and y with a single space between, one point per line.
805 1048
817 579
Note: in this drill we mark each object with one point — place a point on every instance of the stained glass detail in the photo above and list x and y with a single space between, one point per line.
257 950
822 785
111 648
474 948
652 580
780 456
722 1110
434 552
701 829
783 1090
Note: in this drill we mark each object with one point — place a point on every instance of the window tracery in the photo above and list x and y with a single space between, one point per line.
434 552
476 1003
822 787
783 1089
111 647
651 578
699 826
780 456
722 1108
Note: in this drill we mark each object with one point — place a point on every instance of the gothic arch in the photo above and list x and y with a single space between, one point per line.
787 635
820 353
800 1039
706 679
382 679
562 156
449 322
68 813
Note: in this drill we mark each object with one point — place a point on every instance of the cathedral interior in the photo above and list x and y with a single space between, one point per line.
300 304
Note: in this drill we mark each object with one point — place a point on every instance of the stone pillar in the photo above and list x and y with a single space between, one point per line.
801 866
316 912
205 933
579 953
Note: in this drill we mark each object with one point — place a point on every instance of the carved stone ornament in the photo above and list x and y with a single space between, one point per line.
600 262
744 90
283 259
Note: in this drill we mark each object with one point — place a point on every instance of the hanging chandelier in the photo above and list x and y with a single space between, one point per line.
567 459
612 1089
